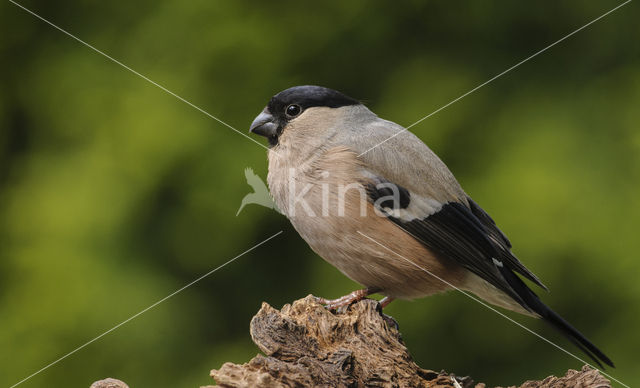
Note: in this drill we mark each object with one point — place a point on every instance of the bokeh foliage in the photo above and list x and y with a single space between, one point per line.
113 193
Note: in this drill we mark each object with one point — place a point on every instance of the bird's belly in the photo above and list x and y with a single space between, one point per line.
373 251
332 213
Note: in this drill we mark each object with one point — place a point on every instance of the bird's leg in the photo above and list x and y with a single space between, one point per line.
343 302
384 302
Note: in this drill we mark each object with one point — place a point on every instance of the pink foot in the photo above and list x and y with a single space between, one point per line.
342 303
384 302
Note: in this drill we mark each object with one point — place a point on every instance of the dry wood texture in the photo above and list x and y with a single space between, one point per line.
307 346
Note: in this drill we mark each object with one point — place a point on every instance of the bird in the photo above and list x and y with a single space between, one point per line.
377 203
260 195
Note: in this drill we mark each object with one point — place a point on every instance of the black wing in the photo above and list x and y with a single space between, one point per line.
502 242
469 236
456 234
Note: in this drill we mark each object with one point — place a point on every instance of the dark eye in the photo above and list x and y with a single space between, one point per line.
293 110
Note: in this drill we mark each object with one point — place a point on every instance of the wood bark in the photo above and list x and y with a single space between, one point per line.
305 345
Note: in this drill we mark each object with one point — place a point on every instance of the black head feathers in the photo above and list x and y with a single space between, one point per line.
309 96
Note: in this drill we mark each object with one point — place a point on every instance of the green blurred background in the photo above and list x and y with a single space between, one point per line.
113 193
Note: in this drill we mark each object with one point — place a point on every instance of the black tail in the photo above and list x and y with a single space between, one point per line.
533 303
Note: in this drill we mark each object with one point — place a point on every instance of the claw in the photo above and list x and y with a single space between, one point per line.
341 304
391 321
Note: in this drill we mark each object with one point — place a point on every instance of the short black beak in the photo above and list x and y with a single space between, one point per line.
264 125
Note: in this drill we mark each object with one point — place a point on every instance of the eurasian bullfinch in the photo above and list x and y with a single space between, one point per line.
374 201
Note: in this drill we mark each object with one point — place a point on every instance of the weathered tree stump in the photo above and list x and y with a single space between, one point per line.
307 346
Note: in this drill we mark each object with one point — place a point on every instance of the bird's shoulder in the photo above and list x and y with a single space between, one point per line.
432 205
388 150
